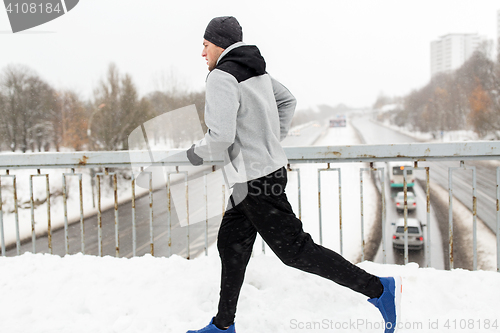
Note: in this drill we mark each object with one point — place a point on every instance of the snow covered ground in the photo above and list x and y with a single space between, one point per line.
43 293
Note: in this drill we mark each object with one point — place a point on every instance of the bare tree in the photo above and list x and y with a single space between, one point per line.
167 101
13 82
3 127
71 119
452 101
28 101
480 87
116 111
382 100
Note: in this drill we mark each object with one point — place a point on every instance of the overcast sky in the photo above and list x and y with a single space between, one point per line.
325 52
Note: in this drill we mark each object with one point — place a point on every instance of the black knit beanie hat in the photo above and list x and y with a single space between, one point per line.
223 31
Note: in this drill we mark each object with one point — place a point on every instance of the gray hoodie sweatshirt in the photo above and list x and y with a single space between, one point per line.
247 113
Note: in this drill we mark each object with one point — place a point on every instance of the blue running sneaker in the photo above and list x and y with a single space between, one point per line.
389 303
211 328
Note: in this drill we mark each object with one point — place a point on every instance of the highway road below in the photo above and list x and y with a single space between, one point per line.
462 190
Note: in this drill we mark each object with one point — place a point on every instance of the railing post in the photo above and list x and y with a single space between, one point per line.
428 210
405 184
33 233
134 222
65 201
474 218
18 237
117 225
82 226
474 213
450 217
16 215
341 238
362 213
338 170
428 226
2 233
498 220
187 216
169 215
299 197
99 216
151 217
319 207
384 217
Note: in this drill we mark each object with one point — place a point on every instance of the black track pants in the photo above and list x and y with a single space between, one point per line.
266 210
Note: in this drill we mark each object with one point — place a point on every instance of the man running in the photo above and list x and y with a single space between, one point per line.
248 113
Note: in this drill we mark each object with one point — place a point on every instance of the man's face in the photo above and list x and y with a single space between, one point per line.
211 53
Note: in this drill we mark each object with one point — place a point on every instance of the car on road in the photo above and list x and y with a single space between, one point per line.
338 121
410 200
415 234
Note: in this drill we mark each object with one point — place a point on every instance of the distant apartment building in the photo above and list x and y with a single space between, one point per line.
452 50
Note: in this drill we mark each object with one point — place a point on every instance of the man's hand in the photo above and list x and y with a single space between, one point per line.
193 158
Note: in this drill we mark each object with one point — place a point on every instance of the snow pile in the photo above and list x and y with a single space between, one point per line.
77 293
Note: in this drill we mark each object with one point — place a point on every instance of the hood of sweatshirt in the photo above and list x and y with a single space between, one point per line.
242 61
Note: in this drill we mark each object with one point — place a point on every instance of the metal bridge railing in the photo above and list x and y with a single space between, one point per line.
109 162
